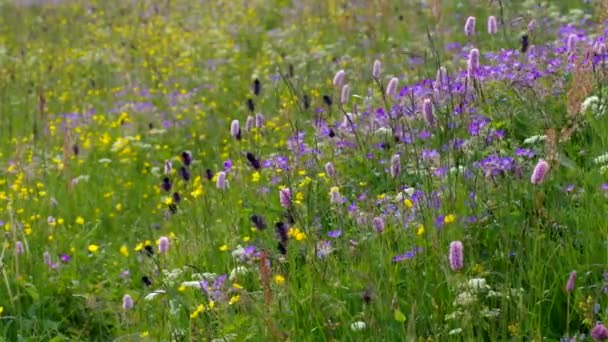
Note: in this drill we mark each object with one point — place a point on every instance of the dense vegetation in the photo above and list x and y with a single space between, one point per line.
303 170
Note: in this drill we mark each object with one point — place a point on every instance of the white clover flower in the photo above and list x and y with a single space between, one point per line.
603 159
358 326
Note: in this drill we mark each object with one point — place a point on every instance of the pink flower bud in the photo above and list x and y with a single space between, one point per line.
220 181
329 169
163 244
339 78
376 68
127 302
469 26
235 129
540 172
395 167
492 25
427 112
571 282
249 123
391 88
259 120
345 94
473 63
285 198
456 255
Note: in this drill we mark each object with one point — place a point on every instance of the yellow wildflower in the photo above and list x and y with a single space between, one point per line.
420 230
234 300
449 219
279 279
93 248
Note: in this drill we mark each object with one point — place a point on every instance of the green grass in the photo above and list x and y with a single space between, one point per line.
96 96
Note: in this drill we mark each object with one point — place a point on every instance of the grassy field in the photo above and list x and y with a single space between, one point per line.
323 170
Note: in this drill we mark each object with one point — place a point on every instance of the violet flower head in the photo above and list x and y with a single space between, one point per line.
184 173
427 112
571 43
378 223
235 129
456 256
285 197
376 68
187 158
469 26
249 123
395 167
163 244
391 88
599 332
19 249
345 94
330 170
220 181
492 25
259 120
339 78
335 197
571 283
473 63
540 172
127 302
166 184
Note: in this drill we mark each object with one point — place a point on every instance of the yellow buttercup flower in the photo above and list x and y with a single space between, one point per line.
93 248
449 219
279 279
420 230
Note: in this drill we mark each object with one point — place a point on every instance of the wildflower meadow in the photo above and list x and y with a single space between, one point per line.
304 170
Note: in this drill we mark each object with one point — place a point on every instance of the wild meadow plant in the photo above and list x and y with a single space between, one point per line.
303 170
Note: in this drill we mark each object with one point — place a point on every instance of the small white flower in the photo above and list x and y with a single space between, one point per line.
534 139
194 284
490 313
455 331
478 283
464 299
590 103
383 131
358 326
154 294
104 161
603 159
238 271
